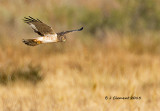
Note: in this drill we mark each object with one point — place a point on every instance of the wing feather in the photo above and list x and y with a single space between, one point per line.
65 32
38 26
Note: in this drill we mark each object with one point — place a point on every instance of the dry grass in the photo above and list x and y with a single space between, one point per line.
77 75
78 78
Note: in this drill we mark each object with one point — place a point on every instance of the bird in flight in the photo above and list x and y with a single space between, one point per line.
47 34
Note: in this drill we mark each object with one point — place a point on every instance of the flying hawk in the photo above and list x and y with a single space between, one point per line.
47 35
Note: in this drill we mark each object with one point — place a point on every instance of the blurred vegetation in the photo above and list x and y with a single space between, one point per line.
132 16
117 54
29 74
130 25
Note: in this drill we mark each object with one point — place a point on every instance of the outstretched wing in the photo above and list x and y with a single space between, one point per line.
65 32
38 26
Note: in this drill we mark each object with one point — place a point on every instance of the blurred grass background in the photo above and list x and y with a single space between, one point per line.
117 54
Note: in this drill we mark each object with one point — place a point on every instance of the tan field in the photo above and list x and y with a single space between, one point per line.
79 74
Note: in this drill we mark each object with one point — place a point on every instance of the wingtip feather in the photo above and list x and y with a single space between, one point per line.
80 29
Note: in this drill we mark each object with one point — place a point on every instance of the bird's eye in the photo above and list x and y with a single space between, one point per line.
63 38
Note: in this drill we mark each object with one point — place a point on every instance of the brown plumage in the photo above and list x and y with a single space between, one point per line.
46 32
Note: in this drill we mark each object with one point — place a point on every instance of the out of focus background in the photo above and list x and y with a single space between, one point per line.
117 54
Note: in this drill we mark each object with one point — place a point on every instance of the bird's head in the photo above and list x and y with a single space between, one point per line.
62 38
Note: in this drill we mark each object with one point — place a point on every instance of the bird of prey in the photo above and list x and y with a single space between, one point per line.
47 34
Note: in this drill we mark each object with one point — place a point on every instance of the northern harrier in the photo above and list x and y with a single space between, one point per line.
47 35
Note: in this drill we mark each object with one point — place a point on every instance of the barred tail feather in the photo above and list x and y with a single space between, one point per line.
31 42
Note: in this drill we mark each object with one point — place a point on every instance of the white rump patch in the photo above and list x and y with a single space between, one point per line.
48 38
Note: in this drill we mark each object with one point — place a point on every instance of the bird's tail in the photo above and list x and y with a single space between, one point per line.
31 42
